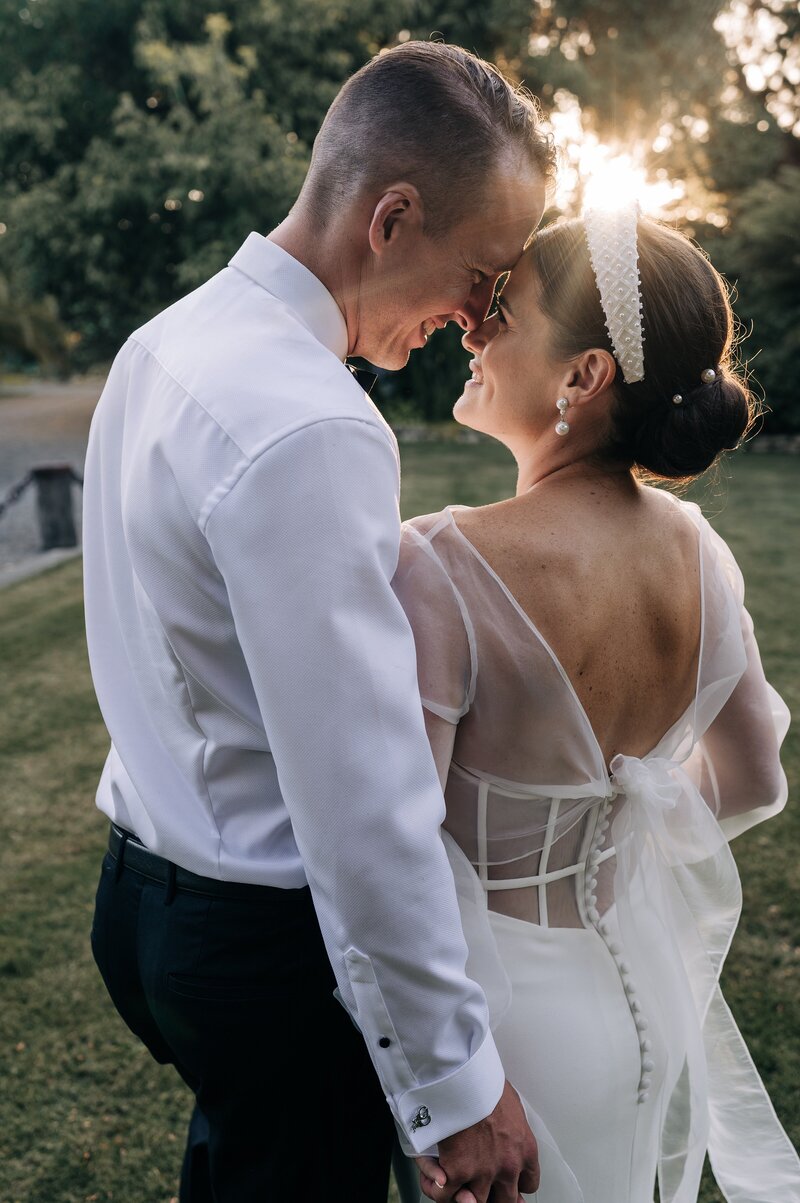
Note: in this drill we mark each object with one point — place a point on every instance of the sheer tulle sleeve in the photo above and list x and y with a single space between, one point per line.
446 660
440 622
736 763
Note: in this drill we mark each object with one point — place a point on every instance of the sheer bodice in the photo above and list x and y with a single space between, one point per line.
633 853
526 780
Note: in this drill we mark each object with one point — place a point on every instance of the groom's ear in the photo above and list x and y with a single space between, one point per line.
398 211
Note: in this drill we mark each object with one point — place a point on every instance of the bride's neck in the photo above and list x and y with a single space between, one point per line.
535 473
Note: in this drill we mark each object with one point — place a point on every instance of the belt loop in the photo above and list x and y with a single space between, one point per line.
169 892
120 865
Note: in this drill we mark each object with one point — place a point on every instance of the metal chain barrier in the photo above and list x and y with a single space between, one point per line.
53 503
15 492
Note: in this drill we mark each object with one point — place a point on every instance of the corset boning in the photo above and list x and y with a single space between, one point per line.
546 860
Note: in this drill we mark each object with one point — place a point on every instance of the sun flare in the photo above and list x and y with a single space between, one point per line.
611 181
608 175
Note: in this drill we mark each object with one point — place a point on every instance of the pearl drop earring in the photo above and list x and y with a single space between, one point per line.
562 426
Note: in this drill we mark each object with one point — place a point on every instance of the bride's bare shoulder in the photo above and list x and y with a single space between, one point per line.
498 521
567 522
663 509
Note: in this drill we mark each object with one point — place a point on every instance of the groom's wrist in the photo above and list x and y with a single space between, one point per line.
428 1114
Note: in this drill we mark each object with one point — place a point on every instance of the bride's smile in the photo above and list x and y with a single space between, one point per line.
477 376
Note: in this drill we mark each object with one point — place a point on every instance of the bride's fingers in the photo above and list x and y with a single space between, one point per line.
433 1180
431 1191
465 1196
429 1167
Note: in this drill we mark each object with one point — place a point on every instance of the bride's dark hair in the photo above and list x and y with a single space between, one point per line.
688 327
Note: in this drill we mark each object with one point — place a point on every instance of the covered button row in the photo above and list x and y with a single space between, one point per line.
593 915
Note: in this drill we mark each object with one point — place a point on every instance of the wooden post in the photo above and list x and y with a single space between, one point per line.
54 505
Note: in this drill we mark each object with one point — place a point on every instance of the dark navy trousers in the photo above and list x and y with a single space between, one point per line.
238 996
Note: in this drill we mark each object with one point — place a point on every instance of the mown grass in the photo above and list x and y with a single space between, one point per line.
84 1114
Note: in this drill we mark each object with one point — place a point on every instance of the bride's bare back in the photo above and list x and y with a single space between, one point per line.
608 571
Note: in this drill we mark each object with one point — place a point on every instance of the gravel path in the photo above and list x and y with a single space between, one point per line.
40 423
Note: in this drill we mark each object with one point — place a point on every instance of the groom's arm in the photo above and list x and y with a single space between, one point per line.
307 542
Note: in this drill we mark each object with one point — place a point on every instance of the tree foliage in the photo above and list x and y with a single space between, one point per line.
141 141
766 231
30 330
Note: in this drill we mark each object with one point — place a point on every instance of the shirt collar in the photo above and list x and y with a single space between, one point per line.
274 269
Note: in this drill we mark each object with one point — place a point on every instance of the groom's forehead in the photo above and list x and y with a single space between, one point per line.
498 227
494 248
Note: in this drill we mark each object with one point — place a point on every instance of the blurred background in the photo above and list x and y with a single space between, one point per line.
140 142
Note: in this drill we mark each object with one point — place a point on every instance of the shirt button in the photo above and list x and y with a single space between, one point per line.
384 1042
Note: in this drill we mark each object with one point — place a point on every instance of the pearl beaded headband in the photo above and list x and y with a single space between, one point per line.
611 235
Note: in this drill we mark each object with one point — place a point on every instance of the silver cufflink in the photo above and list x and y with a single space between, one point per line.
421 1119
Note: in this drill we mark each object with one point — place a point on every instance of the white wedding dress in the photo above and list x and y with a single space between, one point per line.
599 901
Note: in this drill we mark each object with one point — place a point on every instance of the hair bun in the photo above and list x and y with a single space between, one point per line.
680 440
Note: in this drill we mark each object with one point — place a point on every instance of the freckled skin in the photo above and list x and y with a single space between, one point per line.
607 569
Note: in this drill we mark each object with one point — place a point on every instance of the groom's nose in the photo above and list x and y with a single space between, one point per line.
476 340
472 313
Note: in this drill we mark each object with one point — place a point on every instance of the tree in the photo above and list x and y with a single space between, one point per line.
30 331
173 189
763 249
140 141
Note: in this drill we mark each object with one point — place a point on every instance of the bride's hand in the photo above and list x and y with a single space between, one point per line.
433 1180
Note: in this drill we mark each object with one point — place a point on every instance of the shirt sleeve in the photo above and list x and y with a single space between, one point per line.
307 541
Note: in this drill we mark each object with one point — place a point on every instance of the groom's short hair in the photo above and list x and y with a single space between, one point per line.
432 114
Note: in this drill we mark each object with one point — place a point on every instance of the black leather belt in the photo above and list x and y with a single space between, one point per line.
126 849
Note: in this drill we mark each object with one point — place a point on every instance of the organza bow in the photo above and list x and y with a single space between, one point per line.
651 783
678 900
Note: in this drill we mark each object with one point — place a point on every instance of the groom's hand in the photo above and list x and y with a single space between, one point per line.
497 1156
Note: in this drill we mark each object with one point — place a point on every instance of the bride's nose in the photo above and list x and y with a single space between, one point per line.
476 340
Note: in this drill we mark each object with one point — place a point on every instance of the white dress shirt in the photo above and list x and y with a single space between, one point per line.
257 674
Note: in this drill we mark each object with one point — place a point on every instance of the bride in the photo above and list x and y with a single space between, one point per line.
600 719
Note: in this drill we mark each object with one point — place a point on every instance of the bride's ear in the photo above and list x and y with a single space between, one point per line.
591 375
397 211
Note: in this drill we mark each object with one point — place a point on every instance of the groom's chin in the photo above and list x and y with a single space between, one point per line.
391 360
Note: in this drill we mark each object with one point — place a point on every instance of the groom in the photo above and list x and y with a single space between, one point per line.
273 800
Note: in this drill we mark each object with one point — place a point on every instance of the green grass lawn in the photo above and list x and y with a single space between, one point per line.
84 1114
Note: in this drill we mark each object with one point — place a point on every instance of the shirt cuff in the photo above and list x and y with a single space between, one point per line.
427 1114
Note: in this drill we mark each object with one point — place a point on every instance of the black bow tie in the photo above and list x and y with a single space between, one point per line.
365 378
